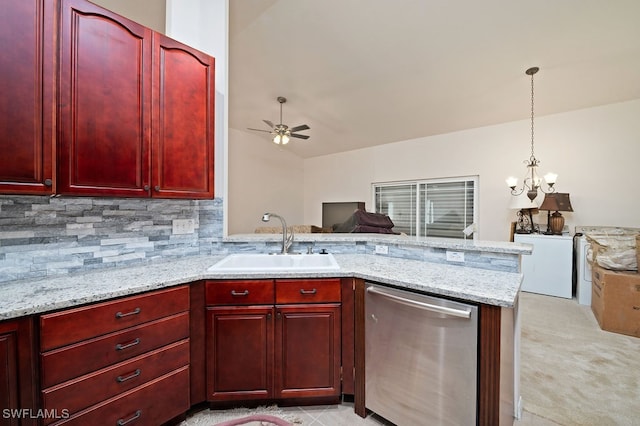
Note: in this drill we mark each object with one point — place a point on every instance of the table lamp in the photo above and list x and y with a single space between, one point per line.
556 202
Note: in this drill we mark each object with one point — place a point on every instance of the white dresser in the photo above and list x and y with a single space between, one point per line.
548 270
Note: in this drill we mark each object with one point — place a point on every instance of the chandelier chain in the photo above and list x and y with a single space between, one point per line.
532 155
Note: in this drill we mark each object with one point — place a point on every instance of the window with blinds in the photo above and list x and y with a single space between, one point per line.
429 208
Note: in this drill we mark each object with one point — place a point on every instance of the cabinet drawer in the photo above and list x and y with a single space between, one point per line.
307 291
72 361
153 403
76 395
240 292
73 325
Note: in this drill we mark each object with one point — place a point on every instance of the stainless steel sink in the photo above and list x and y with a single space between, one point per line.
252 262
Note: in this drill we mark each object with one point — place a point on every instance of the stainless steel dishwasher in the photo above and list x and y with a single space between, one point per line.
420 358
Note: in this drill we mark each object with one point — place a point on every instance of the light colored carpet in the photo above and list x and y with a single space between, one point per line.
572 372
212 417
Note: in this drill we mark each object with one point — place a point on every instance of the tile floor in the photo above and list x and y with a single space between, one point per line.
332 415
343 415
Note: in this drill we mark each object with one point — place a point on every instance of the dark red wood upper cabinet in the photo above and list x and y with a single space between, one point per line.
136 109
96 104
183 120
26 100
104 103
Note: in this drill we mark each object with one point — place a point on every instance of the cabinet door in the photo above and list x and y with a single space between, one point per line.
307 351
26 103
239 352
9 375
183 120
17 371
105 103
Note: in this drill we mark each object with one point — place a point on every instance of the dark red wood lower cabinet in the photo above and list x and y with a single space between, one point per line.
17 372
287 352
239 352
307 351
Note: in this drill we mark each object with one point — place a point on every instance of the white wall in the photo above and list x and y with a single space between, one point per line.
262 178
150 13
595 152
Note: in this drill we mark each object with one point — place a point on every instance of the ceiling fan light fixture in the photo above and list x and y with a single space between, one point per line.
281 139
281 132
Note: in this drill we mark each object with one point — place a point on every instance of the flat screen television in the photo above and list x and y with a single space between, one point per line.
333 213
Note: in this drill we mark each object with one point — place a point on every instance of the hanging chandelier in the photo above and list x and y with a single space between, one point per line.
532 181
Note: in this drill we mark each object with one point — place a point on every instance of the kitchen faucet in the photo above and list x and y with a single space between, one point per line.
286 241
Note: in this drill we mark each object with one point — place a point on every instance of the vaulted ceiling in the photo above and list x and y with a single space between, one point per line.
368 72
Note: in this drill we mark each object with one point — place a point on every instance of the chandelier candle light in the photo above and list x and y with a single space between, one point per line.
532 181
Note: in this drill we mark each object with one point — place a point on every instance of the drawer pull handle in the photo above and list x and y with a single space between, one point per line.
120 346
136 311
133 375
122 422
303 291
239 293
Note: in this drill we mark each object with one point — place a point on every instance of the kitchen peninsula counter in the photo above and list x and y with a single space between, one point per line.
26 297
389 239
419 268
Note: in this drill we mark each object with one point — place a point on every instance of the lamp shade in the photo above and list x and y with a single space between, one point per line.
557 202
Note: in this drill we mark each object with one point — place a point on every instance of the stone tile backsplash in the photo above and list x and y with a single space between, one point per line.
45 236
42 236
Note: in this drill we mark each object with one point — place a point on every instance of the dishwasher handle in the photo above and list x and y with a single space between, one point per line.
462 313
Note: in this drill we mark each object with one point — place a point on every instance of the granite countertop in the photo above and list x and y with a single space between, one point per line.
27 297
401 240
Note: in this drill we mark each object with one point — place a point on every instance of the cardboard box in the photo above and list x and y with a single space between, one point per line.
615 300
638 250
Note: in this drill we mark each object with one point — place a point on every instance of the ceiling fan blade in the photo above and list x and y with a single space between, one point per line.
301 127
260 130
295 135
270 124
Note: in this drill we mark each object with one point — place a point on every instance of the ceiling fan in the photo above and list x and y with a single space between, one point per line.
281 132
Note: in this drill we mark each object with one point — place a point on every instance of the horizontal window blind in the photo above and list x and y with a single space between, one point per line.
399 203
429 208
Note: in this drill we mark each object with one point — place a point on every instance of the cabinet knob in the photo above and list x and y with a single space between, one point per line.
157 188
146 187
48 182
